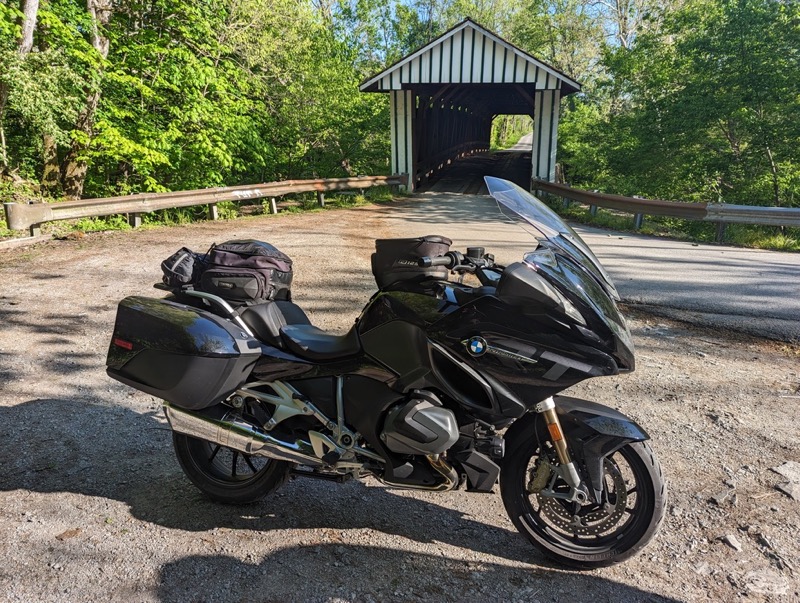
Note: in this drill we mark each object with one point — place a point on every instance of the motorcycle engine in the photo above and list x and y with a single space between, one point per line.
420 425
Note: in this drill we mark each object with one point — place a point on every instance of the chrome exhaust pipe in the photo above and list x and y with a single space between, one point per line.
232 432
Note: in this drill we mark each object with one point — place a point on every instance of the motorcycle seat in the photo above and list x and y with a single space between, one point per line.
309 342
265 320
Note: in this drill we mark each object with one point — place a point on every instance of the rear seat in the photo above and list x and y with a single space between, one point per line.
266 320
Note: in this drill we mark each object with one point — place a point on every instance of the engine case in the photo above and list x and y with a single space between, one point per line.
420 426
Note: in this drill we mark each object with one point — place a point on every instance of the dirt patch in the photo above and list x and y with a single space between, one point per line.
93 505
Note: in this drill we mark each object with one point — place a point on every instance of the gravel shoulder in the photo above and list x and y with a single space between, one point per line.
93 505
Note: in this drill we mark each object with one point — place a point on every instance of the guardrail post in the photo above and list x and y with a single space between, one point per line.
35 230
720 232
637 221
273 206
593 210
213 211
321 198
135 220
565 203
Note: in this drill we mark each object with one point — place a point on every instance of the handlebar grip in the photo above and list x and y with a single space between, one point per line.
442 260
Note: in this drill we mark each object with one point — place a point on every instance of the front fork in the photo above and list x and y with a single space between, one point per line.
566 469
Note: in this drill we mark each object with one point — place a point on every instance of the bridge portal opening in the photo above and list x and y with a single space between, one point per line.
512 132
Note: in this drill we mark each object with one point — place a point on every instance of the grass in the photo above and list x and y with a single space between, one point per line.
4 231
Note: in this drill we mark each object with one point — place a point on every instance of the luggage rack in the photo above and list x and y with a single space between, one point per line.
211 299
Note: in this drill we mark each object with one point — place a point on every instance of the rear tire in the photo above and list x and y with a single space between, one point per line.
226 475
588 536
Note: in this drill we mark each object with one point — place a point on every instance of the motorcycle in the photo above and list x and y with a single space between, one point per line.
439 385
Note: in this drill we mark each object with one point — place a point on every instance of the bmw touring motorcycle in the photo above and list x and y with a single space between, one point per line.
438 385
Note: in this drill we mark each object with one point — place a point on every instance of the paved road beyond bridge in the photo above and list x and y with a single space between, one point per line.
747 290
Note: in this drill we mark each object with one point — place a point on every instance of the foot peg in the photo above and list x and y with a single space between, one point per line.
325 448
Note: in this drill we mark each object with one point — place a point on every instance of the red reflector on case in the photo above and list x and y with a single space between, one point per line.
121 343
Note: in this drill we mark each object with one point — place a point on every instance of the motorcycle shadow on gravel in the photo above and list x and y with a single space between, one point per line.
98 448
356 573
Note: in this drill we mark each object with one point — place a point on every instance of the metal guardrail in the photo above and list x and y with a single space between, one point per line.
720 213
21 216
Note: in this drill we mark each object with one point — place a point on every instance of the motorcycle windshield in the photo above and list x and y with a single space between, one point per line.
548 224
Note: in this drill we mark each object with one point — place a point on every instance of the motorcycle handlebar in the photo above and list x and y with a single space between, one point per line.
442 260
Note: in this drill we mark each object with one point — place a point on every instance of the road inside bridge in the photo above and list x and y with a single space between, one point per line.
466 175
746 290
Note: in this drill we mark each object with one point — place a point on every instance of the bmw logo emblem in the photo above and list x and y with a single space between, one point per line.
477 346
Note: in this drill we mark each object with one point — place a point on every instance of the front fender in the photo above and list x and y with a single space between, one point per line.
593 432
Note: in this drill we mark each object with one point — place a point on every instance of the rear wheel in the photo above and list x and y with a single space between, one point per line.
586 535
226 475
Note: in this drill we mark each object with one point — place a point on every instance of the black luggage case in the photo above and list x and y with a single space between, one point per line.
184 355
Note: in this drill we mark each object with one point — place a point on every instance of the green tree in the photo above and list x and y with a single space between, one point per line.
711 106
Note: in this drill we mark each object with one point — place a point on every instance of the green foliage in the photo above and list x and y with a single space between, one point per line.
707 109
764 237
379 194
508 129
227 210
99 224
193 95
565 33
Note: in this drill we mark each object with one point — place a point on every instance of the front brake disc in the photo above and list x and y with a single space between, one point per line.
589 519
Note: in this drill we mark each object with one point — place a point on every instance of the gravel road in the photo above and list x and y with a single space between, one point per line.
93 506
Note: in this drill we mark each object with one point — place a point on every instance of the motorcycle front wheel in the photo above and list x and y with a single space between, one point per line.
587 535
226 475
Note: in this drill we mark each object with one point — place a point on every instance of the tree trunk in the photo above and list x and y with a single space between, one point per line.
3 152
30 10
776 190
52 170
75 164
73 175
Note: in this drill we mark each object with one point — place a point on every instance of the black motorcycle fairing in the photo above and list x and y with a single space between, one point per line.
593 431
607 328
533 357
401 330
400 346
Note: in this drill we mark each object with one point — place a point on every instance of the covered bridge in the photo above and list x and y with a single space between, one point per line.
445 95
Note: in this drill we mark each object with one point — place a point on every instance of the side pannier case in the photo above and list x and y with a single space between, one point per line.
395 260
186 356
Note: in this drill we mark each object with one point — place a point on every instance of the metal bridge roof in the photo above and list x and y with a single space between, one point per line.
471 54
